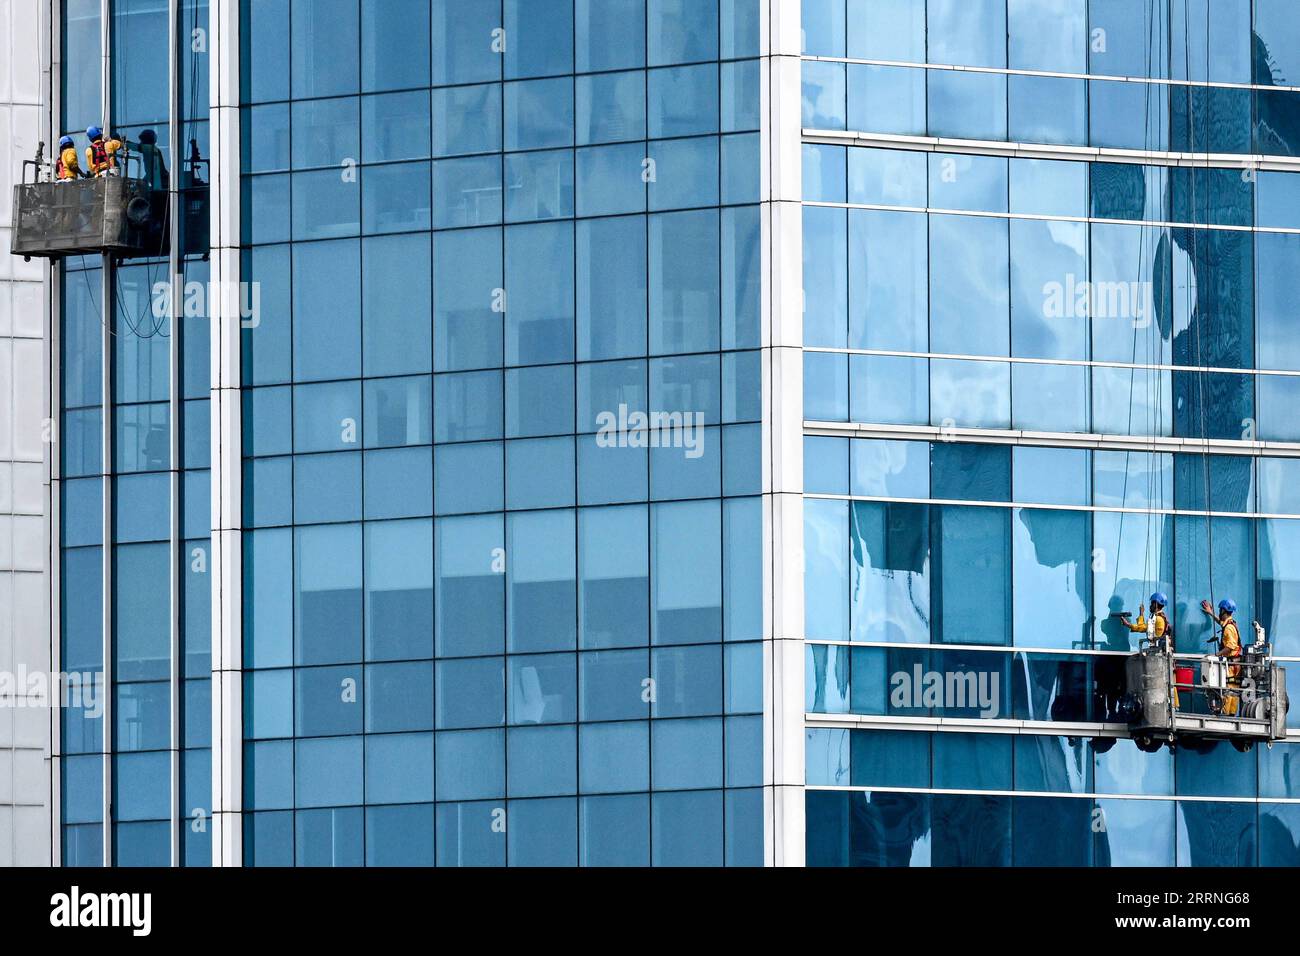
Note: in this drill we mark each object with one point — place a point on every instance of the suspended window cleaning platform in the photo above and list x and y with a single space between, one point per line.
120 215
1184 700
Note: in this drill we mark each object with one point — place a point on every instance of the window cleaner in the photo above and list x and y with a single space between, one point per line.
1229 646
101 154
67 168
1159 632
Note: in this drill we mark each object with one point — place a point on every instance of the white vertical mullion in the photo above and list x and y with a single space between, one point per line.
782 363
226 565
174 212
50 31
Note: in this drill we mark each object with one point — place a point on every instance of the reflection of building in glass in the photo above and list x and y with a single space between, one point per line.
978 359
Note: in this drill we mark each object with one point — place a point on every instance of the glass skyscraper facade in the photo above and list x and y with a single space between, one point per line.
673 432
1050 369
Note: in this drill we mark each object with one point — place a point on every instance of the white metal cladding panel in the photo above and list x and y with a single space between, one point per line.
24 543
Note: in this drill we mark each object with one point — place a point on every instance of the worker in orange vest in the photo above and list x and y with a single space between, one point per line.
1229 641
101 154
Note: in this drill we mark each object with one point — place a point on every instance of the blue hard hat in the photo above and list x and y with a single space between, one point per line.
65 142
1160 598
94 133
148 136
1229 605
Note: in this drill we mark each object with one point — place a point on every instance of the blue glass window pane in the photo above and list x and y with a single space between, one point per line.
468 275
325 53
541 574
466 119
887 177
398 411
614 685
614 562
824 172
327 771
686 173
1053 764
140 508
610 108
327 309
141 786
470 834
1137 833
325 132
825 465
681 31
973 557
1048 109
540 37
470 601
826 756
468 407
542 761
540 473
326 417
967 182
615 830
825 387
268 839
970 394
893 469
688 681
471 693
610 179
825 276
264 138
264 213
687 829
741 96
462 35
967 105
1277 30
888 389
1049 188
399 697
264 55
399 590
395 126
1133 39
542 689
610 34
1051 476
684 282
687 754
399 768
467 192
891 758
686 572
470 764
887 99
328 701
469 478
1052 563
682 101
327 488
539 280
394 54
611 291
742 524
888 268
544 833
327 594
141 614
400 835
887 30
890 582
824 95
823 27
269 775
1128 115
539 401
268 598
539 114
969 312
967 32
539 185
1048 35
1050 292
826 569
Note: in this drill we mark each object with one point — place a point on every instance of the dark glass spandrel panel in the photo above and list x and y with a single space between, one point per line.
891 758
970 830
1211 120
1219 833
890 829
972 761
1052 831
972 558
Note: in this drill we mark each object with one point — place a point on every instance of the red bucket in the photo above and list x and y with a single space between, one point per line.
1183 675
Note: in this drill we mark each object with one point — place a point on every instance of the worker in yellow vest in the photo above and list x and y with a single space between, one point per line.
1230 648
